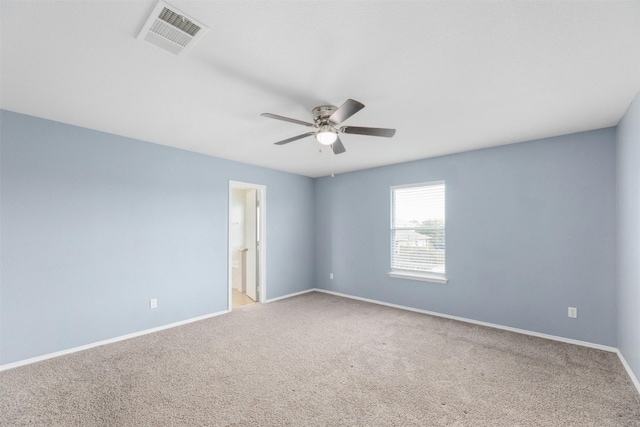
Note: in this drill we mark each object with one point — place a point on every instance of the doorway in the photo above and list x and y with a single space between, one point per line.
247 204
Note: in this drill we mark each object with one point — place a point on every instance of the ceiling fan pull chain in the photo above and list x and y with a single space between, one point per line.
332 157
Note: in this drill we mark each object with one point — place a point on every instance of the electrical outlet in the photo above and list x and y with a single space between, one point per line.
331 276
573 312
153 303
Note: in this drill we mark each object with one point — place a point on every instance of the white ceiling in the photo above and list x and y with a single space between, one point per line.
449 76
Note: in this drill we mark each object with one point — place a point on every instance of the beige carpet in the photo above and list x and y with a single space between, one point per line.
321 360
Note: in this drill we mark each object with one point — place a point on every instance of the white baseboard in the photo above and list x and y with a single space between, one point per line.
634 379
306 291
478 322
108 341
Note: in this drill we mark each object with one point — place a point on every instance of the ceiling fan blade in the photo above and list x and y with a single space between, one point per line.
368 131
286 119
337 147
295 138
346 110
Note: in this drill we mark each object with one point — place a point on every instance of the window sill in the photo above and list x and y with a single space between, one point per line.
425 277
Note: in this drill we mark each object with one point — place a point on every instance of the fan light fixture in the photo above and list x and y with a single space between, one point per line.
326 136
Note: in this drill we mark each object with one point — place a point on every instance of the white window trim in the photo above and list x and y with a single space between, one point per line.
414 275
411 274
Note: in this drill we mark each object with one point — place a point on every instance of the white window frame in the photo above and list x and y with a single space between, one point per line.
409 273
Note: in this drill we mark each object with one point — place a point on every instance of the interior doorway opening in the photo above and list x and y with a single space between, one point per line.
247 204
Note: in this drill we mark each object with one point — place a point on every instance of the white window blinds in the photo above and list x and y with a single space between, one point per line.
418 228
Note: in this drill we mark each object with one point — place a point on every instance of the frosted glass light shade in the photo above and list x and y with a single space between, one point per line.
326 136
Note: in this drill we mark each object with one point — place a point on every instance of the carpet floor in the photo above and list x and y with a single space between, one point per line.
322 360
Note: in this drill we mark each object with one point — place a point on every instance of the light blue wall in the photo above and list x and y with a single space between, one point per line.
530 231
628 187
94 225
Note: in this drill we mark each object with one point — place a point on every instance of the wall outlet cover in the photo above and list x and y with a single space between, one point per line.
153 303
573 312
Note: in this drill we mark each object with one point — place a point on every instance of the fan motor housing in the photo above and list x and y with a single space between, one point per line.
322 113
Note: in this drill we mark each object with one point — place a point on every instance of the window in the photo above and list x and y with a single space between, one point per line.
417 232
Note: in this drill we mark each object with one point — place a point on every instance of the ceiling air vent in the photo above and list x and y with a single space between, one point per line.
171 29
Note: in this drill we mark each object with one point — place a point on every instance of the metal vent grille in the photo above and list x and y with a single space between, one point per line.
170 33
170 29
179 22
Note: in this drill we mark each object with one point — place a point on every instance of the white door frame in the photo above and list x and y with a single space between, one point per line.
251 240
262 249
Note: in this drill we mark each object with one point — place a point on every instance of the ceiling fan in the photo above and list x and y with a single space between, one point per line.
326 124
